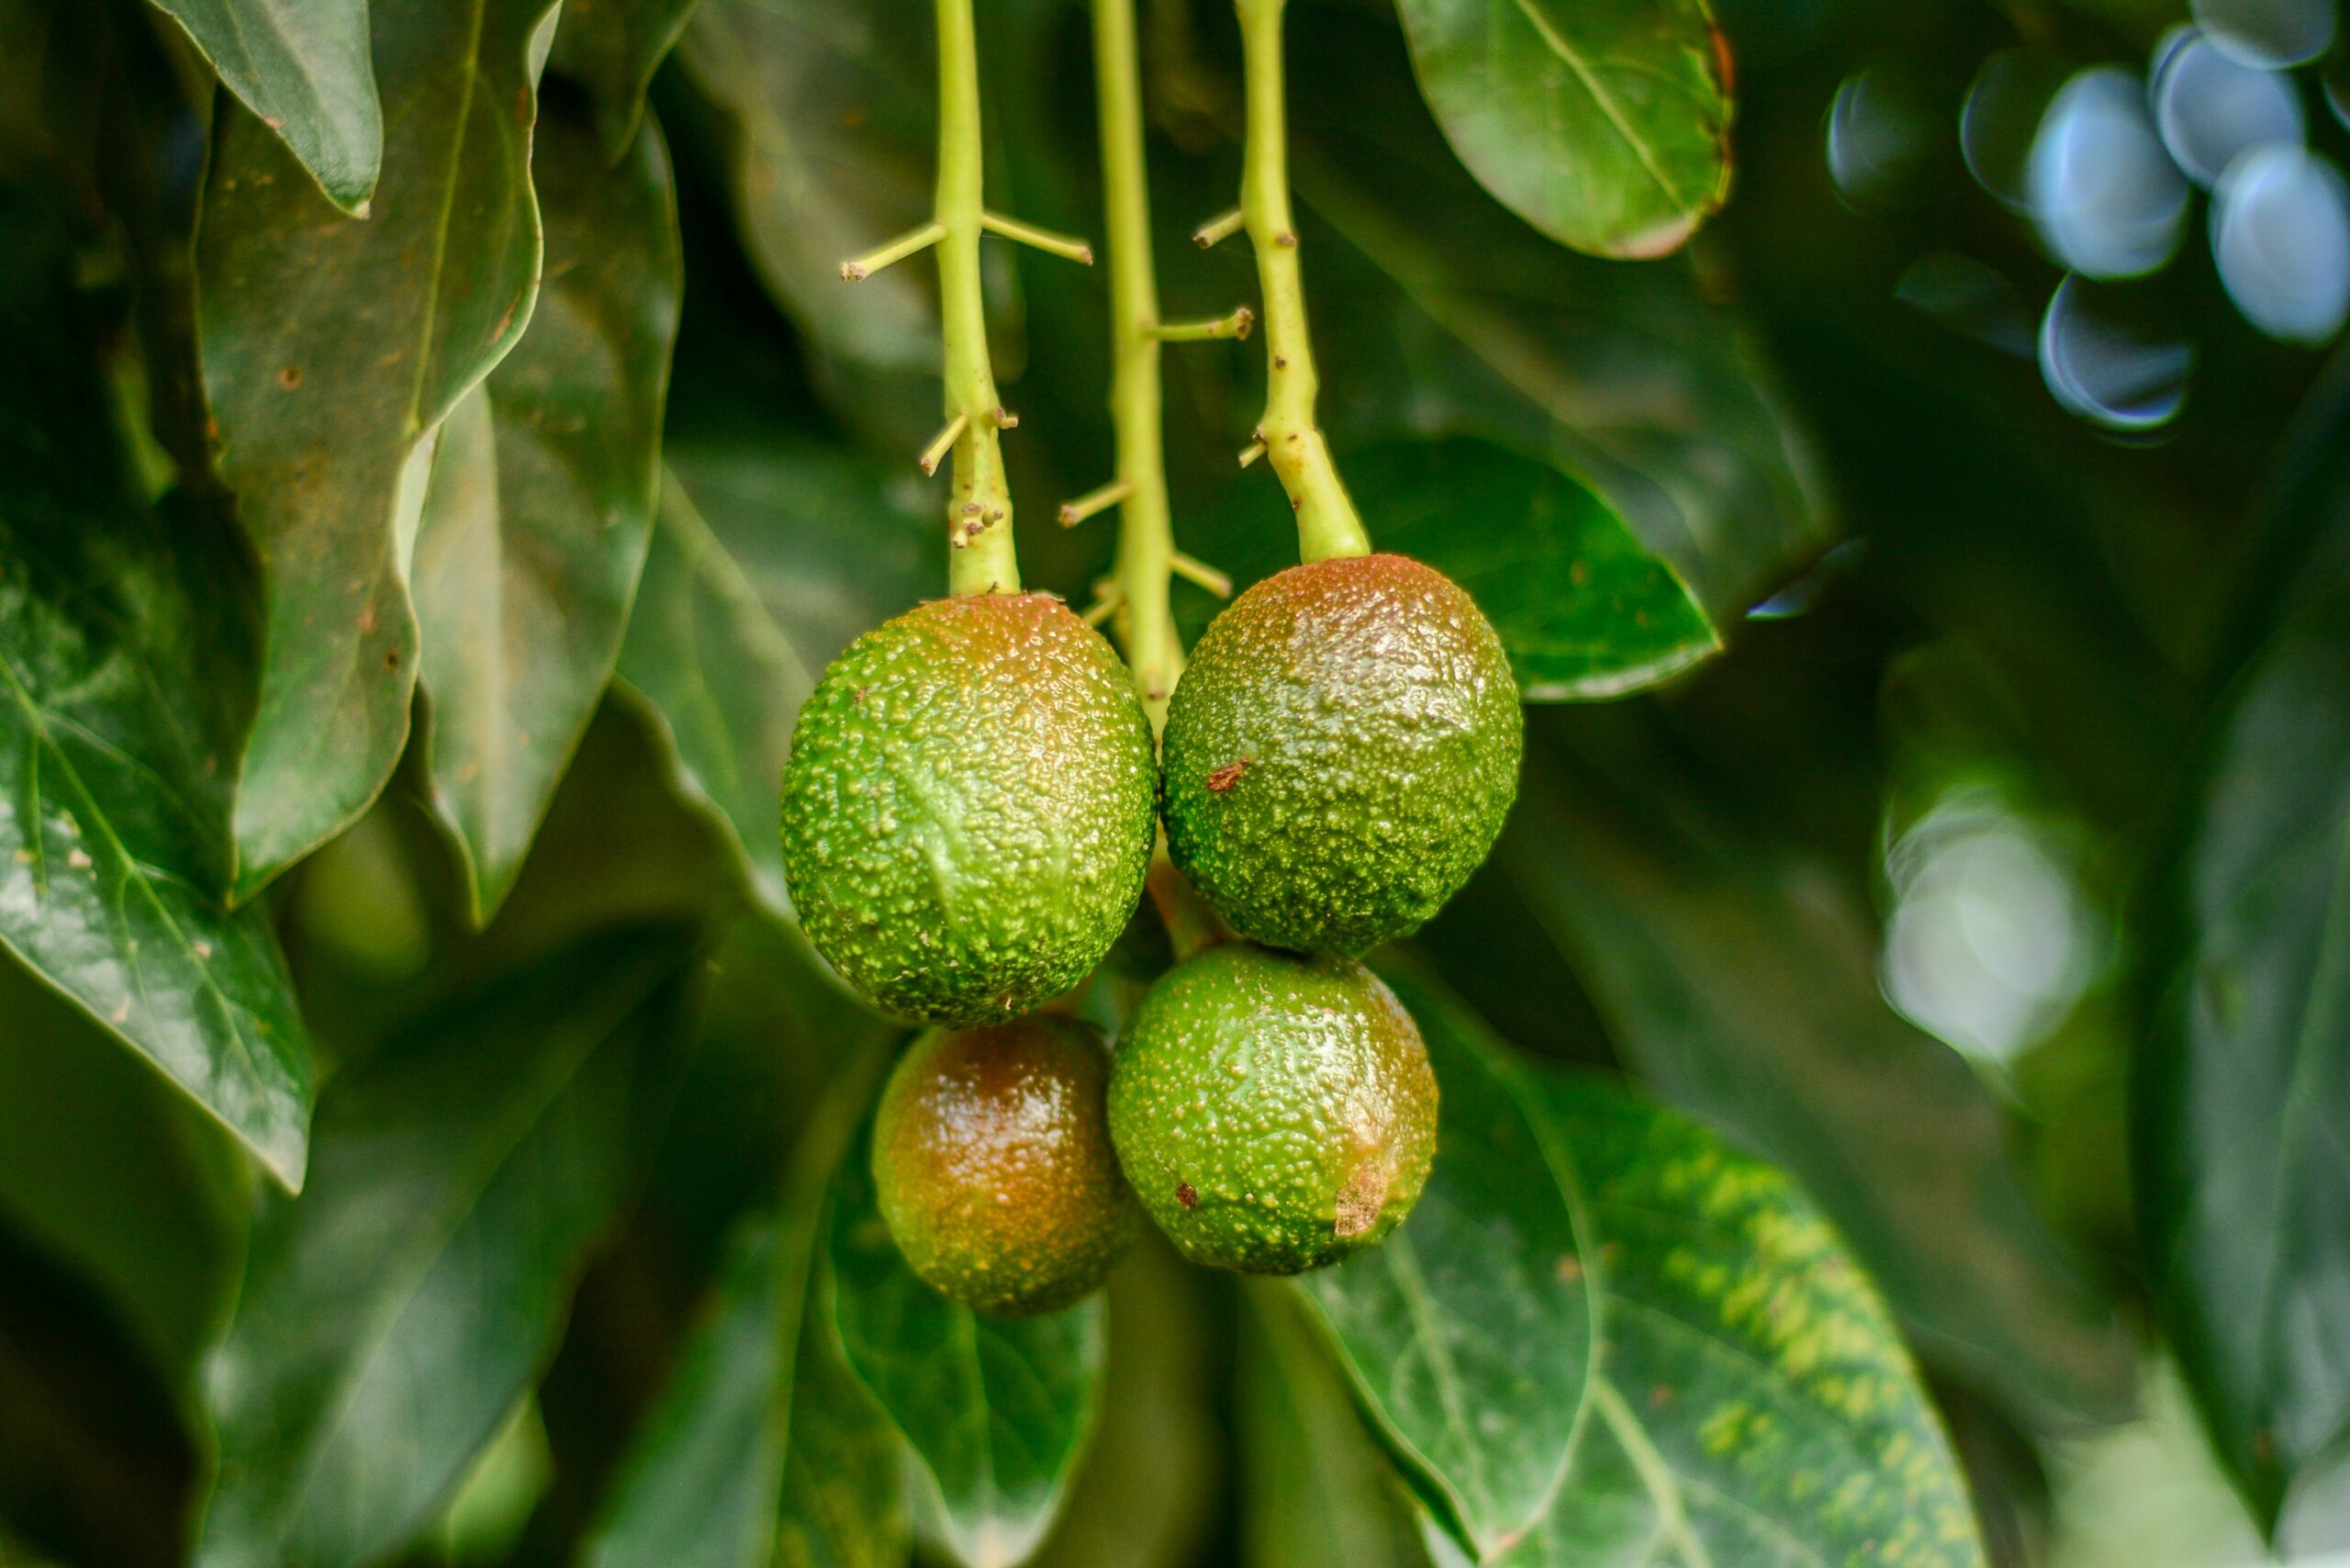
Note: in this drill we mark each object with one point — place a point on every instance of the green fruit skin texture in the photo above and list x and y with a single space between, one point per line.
1275 1112
969 807
992 1154
1341 752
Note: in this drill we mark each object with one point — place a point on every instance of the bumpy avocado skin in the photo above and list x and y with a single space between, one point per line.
993 1158
968 809
1341 752
1275 1112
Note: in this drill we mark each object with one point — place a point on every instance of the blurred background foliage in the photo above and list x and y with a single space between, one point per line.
1982 865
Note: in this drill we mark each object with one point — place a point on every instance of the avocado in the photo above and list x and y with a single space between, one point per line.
1275 1112
1341 752
992 1160
969 807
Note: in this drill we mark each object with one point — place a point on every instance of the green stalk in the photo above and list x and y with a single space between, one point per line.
1145 530
978 507
1327 523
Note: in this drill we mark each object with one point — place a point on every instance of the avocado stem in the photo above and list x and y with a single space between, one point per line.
1327 523
1192 926
1145 566
978 507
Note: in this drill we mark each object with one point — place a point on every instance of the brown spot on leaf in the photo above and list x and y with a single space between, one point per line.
1659 1396
1186 1196
391 658
1571 1269
289 376
1225 778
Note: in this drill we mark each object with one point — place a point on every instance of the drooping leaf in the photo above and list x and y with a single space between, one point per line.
1439 313
1743 982
844 1478
2242 1155
1472 1330
996 1409
612 48
716 670
1751 1402
768 559
332 348
392 1317
303 67
127 651
1584 611
829 119
724 1469
111 1170
543 487
1605 125
1314 1492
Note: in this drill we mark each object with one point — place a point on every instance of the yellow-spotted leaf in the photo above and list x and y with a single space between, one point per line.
1750 1401
332 348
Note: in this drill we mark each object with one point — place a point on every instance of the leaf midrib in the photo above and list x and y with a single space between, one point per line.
1558 45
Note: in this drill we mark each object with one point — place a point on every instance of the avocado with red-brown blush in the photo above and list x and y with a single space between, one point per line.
1341 752
969 807
1274 1112
992 1160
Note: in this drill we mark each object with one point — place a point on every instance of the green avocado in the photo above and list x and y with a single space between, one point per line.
991 1155
969 807
1275 1112
1340 753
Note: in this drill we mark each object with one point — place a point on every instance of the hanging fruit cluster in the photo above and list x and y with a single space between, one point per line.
974 795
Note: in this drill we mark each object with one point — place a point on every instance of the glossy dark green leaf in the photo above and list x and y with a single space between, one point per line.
112 1170
540 505
752 1434
1751 1402
1472 1330
1147 1493
303 68
698 1489
715 670
393 1315
1314 1489
2243 1157
1605 125
126 646
831 131
792 551
1437 312
844 1478
1741 979
332 348
1584 611
612 48
997 1410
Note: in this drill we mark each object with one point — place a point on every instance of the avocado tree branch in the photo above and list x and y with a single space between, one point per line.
1146 528
979 506
1327 523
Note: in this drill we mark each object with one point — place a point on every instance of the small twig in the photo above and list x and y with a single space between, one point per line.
1235 326
1217 230
942 443
897 250
1249 453
1095 501
1199 571
1108 599
1067 247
